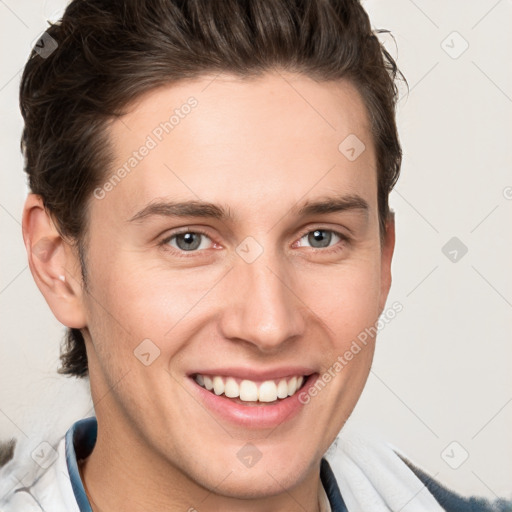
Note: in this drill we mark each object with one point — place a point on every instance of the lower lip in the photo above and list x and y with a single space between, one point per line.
254 416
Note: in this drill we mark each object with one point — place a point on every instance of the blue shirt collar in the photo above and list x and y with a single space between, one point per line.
80 441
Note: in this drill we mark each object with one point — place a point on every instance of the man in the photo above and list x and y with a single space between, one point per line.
209 217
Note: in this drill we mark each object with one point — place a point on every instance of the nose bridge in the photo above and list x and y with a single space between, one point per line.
263 308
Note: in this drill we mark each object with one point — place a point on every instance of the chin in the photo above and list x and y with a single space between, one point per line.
253 484
256 478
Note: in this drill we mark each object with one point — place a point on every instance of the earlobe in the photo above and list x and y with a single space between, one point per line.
53 264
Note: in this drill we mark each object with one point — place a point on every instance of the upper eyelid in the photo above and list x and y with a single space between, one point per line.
168 238
332 230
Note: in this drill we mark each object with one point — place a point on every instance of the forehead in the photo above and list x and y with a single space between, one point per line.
272 140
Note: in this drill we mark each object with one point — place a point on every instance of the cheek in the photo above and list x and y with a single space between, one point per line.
154 300
346 299
135 300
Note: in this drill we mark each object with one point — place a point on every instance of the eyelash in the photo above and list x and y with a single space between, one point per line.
344 239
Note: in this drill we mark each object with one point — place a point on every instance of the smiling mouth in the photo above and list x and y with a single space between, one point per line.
250 392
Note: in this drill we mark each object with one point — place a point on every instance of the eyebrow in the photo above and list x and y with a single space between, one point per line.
334 205
182 209
214 211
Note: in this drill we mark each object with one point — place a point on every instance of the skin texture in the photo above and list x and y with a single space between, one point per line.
261 148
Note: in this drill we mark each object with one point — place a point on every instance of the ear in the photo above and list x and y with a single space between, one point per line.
54 264
387 249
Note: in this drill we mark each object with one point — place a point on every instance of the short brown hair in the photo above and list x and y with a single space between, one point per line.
109 53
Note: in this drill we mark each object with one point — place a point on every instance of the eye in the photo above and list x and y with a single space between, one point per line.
188 241
321 238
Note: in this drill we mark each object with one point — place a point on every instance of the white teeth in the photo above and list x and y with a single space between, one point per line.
248 391
231 389
282 389
267 391
208 384
292 386
218 385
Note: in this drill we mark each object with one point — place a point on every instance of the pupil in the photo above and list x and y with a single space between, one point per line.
188 241
320 237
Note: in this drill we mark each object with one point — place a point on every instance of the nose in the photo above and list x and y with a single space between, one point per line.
262 305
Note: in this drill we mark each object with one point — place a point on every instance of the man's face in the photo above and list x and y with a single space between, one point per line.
258 288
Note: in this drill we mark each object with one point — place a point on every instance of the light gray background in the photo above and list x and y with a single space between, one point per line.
442 370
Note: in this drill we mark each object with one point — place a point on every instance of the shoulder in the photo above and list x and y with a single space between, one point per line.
37 458
453 502
37 479
372 475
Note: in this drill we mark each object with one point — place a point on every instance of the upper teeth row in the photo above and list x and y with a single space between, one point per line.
248 390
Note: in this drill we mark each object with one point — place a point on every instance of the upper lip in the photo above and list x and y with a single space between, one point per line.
257 375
